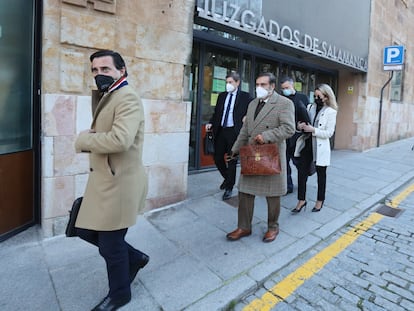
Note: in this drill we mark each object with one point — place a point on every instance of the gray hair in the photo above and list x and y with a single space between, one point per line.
286 79
234 75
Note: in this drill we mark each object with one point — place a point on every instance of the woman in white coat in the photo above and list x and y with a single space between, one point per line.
322 114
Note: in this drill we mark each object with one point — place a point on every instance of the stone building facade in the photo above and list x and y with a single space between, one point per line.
155 38
392 23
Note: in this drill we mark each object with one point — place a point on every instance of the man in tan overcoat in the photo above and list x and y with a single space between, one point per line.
117 184
270 119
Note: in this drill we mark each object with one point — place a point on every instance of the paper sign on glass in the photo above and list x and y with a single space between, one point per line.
213 99
219 85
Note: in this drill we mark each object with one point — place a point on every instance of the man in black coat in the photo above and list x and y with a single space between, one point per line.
226 122
301 115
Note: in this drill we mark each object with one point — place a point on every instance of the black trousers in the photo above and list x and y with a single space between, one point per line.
118 255
303 165
224 140
290 150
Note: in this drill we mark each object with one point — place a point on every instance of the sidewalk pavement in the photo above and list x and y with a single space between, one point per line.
192 266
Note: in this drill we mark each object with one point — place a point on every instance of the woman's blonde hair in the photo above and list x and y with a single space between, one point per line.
326 90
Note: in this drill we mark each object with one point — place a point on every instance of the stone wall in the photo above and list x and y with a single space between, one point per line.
155 39
392 23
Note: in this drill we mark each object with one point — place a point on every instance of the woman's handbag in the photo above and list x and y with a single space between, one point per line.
73 214
209 143
312 168
260 159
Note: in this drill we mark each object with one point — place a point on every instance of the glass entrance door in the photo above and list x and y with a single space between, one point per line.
217 63
265 65
16 114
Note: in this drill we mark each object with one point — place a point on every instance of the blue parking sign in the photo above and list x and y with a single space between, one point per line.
394 55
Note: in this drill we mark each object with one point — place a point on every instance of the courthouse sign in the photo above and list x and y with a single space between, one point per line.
234 16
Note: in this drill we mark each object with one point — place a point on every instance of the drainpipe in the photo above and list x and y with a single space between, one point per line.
380 110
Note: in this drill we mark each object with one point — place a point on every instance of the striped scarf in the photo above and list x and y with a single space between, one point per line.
118 84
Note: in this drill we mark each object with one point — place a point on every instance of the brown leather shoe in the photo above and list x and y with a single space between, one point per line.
237 234
270 235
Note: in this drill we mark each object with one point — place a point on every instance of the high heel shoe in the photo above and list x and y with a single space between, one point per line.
298 209
314 209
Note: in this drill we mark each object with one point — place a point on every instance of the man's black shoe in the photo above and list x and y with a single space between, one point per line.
227 194
289 191
223 185
133 269
111 304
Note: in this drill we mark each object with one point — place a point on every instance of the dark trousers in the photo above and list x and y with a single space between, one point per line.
290 150
304 163
289 173
246 209
289 170
224 140
118 255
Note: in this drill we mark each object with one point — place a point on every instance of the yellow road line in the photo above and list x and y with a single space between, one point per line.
289 284
395 202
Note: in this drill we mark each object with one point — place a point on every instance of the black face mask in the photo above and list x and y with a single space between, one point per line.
103 82
319 101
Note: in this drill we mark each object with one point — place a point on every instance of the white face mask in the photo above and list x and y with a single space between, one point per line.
261 92
230 87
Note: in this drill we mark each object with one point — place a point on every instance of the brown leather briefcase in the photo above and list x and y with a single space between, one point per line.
260 159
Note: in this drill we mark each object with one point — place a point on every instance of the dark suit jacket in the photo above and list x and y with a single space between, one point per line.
301 103
240 109
301 115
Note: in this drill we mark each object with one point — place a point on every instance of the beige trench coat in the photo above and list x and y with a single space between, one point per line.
117 184
276 122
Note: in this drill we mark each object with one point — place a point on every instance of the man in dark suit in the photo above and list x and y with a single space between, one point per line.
226 122
301 115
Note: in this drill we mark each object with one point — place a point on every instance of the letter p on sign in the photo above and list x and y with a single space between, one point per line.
394 55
